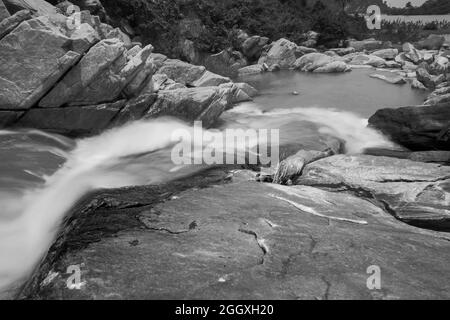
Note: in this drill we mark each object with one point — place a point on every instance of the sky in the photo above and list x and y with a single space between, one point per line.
402 3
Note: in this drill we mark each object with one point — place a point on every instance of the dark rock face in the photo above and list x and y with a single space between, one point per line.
239 241
414 192
4 13
418 128
72 121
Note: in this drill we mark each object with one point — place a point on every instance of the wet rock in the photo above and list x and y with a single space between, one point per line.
414 192
28 68
419 128
134 109
282 53
72 121
241 241
205 104
181 72
292 167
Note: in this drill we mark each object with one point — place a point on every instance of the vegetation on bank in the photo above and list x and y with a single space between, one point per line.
161 22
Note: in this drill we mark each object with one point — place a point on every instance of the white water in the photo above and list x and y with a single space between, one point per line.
136 154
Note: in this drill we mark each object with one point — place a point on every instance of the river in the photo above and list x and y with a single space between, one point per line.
42 175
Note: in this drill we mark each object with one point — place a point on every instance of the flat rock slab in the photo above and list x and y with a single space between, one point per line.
242 240
415 192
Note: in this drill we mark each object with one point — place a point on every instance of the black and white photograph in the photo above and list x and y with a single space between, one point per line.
224 155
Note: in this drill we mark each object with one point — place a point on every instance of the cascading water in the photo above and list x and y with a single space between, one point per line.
49 177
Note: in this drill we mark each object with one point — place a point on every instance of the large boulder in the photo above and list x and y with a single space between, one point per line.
209 79
242 240
311 61
76 82
29 68
205 104
281 53
334 67
414 192
71 121
433 42
253 47
181 72
417 128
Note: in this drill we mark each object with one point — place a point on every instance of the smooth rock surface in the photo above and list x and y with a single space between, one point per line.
239 241
414 192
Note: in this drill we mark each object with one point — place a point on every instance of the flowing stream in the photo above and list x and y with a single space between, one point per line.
42 175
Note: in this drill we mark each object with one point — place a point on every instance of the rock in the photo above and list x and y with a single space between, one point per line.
392 65
368 60
248 89
209 79
241 240
416 84
368 44
143 76
9 24
442 157
105 56
71 121
28 68
205 104
134 109
253 69
419 128
40 7
440 65
302 50
416 193
181 72
334 67
4 13
386 54
118 34
253 47
443 98
433 42
412 54
395 80
344 51
312 61
162 82
428 80
292 167
8 118
226 63
281 53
